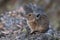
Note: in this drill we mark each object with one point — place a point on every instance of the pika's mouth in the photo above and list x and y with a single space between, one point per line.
31 20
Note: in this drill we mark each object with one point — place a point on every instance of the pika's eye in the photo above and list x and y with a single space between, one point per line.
29 15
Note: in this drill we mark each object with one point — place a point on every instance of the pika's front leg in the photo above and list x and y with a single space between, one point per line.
33 31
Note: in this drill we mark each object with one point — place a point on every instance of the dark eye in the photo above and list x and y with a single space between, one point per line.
38 15
29 14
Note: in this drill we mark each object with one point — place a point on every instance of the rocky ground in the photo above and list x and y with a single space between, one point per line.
14 27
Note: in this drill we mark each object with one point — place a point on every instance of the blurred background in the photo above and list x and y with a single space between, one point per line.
52 8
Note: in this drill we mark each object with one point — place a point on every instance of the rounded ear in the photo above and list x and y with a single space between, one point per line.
37 16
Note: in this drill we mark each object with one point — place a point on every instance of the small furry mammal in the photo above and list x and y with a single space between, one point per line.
41 25
36 21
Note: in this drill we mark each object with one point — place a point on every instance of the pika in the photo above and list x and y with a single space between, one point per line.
41 25
39 22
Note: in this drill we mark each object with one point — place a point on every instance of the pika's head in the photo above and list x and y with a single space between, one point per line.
30 16
31 11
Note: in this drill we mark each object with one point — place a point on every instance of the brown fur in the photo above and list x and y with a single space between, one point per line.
41 25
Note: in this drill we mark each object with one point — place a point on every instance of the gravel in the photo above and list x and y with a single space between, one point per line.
17 29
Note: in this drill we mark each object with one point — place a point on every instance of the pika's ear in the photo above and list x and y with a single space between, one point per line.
37 16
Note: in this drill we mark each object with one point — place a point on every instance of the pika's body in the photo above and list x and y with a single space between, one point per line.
35 22
41 25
